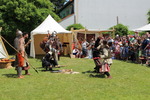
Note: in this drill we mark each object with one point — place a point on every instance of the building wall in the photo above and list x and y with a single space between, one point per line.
102 14
67 21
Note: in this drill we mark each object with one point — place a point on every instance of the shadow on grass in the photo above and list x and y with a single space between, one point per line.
48 70
51 71
93 74
89 71
10 75
97 76
42 69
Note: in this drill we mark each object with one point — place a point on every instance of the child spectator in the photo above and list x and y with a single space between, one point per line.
75 52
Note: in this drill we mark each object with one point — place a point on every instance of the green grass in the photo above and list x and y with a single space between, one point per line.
130 82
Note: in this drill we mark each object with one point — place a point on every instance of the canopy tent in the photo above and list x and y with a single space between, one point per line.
3 51
37 35
143 28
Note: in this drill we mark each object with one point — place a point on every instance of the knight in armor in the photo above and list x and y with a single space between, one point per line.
52 47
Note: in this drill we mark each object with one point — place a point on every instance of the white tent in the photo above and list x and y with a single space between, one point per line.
3 51
49 24
143 28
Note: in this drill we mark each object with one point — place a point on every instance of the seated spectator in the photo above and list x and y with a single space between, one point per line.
75 52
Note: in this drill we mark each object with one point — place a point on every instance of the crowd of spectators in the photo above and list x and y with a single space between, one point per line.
132 48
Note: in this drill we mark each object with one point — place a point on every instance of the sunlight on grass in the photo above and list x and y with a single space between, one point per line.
130 82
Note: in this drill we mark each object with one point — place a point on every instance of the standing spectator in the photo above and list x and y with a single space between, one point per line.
121 49
125 52
117 50
137 45
89 51
144 44
147 49
131 52
84 47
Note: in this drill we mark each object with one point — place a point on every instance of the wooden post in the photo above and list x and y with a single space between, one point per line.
117 20
85 34
113 32
72 30
100 34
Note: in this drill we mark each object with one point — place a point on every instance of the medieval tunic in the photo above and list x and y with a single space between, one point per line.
22 50
106 56
107 61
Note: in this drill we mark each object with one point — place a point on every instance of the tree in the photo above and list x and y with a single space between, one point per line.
120 29
75 26
24 15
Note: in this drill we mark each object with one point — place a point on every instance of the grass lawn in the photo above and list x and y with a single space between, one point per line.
130 82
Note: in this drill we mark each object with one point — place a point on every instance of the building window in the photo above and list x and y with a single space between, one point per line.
67 11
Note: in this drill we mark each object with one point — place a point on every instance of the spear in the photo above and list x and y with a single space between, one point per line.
19 52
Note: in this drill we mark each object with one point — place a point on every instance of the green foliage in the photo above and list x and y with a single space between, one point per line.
120 29
142 33
75 26
131 33
148 16
24 14
130 82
